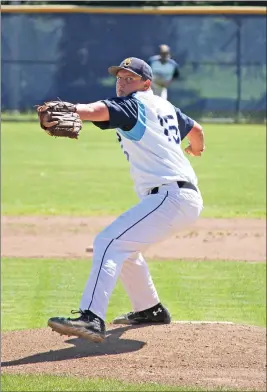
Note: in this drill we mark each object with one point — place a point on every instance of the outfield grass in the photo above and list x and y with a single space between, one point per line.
31 383
43 175
34 290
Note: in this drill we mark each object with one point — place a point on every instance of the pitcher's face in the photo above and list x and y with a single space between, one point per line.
128 82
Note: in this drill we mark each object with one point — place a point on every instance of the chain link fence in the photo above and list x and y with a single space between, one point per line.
222 59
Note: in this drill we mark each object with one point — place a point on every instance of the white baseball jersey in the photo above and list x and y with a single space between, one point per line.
163 71
150 130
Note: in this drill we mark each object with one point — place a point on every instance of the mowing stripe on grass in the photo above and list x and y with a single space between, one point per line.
232 172
34 290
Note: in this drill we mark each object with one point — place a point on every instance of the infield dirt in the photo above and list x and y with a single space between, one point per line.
187 354
208 239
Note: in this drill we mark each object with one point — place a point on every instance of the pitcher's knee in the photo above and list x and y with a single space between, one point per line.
101 241
108 246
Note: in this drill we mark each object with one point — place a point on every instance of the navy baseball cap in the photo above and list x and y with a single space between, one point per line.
133 64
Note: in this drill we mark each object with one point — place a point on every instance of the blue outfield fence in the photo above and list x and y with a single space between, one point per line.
66 55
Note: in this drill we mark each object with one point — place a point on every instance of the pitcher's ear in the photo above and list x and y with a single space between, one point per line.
147 84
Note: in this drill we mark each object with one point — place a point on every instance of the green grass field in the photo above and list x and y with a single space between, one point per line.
226 291
43 175
193 291
31 383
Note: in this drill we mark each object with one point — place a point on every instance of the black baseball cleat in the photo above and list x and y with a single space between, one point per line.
156 315
87 326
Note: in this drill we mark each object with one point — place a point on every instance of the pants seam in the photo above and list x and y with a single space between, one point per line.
117 239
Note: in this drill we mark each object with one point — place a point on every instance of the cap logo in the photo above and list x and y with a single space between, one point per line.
127 62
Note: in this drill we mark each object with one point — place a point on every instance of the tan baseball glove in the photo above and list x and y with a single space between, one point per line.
59 119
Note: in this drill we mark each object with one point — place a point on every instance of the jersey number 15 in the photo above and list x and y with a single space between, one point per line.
171 131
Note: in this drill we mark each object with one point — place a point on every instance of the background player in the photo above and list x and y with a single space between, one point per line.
165 71
149 130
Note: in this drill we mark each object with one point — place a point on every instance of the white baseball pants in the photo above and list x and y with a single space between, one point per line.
118 248
160 91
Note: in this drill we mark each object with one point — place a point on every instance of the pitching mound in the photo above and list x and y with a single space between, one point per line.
206 355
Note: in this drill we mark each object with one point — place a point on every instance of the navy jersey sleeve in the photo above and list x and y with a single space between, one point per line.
123 113
176 72
152 59
149 61
185 123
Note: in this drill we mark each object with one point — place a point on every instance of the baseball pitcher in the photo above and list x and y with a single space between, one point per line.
149 130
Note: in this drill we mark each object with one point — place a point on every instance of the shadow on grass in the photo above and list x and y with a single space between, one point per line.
112 345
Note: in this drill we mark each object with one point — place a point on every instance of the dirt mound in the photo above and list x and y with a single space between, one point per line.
200 354
208 239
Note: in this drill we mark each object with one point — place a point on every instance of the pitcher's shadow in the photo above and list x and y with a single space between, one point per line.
81 348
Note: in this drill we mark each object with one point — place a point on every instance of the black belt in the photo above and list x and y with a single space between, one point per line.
181 184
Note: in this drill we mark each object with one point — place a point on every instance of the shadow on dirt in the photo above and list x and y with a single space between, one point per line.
81 348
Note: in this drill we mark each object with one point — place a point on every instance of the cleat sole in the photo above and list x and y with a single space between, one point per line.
63 329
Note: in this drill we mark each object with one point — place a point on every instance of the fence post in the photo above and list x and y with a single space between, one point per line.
238 69
15 70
